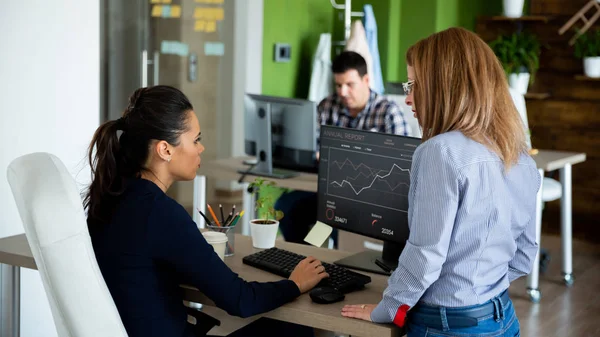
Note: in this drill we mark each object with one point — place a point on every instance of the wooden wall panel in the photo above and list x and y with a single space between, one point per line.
552 7
569 119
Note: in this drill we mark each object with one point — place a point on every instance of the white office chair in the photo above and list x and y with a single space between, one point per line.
55 225
551 190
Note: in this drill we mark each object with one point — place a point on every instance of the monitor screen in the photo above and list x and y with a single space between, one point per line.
364 179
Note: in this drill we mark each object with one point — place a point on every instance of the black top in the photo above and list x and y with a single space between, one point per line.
151 247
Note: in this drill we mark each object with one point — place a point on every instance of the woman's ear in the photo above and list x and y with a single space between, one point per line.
163 150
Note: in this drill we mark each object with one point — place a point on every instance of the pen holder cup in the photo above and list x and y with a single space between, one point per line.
230 232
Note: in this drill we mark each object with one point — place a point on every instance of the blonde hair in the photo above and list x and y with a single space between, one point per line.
460 85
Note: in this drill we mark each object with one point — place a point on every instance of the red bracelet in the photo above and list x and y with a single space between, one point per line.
400 317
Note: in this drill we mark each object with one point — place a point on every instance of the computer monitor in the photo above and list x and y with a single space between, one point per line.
281 133
364 179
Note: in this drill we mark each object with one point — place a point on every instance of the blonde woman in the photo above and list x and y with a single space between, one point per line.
471 200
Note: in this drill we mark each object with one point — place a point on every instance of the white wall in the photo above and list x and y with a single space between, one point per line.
49 101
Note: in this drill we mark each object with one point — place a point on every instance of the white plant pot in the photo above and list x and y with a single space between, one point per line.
513 8
263 235
519 82
591 66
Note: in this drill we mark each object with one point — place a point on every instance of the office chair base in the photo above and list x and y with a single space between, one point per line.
535 295
569 279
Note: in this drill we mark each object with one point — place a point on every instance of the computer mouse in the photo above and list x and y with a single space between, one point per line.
326 295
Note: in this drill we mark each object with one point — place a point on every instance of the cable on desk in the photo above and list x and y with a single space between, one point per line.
243 176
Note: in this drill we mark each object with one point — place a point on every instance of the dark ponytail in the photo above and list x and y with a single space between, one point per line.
119 149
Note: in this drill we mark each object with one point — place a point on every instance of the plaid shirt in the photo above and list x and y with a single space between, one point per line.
379 115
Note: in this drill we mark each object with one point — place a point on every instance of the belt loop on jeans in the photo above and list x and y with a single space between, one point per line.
501 308
496 309
445 326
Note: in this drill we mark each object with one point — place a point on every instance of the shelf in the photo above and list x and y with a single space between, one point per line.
537 95
539 18
585 78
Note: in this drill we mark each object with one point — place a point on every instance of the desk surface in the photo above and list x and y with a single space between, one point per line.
15 251
550 160
227 169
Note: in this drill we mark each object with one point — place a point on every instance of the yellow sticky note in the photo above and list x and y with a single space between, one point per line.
156 11
200 26
211 26
154 1
199 13
219 14
175 11
216 1
318 234
166 1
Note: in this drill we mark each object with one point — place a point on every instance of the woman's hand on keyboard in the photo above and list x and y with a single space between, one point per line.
308 273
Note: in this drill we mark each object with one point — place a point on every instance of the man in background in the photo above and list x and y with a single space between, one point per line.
355 106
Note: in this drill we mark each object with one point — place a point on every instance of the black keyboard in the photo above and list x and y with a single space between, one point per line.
282 262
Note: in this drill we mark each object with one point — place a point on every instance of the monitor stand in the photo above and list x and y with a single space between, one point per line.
373 261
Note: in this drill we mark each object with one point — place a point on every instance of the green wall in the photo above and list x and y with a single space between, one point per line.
418 19
400 23
299 23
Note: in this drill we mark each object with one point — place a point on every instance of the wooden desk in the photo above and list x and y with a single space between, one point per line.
546 160
15 251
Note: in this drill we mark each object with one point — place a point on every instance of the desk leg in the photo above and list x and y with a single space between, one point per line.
249 212
199 200
566 225
10 301
533 280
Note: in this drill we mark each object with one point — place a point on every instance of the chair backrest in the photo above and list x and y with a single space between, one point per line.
55 225
519 101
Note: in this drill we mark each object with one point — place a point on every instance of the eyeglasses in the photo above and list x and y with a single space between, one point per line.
407 86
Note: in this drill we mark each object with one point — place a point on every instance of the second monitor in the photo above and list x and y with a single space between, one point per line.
281 133
364 181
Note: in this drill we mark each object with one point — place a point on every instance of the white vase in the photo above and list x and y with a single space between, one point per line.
591 66
263 235
513 8
519 82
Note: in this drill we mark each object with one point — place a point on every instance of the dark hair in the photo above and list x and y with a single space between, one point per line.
349 60
154 113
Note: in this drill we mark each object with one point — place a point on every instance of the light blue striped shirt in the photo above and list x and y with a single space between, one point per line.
472 227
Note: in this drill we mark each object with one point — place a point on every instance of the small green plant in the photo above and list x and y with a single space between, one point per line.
518 53
588 44
265 202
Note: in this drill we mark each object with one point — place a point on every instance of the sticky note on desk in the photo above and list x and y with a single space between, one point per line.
318 234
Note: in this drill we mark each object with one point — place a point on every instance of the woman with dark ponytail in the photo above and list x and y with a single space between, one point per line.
146 243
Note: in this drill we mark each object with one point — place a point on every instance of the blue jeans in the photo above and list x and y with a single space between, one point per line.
503 322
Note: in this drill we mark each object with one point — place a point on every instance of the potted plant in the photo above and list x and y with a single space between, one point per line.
519 54
587 47
513 8
264 229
